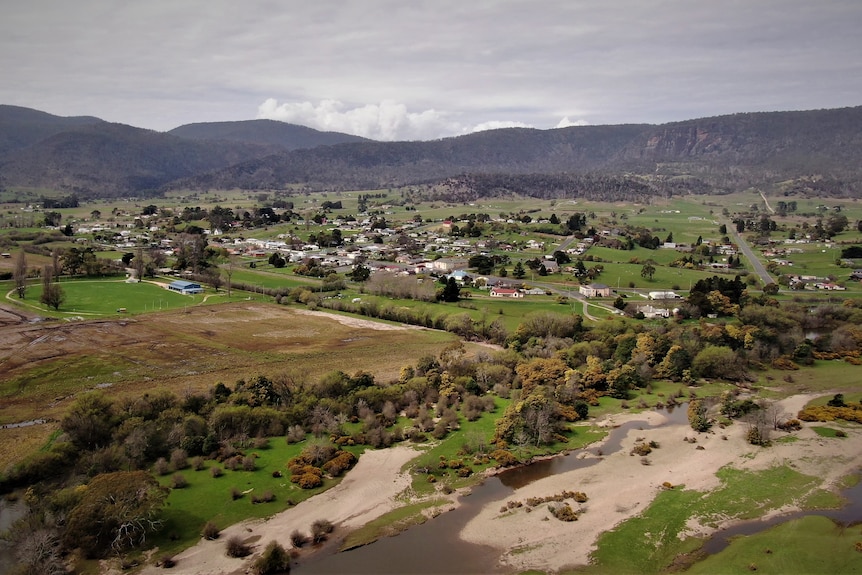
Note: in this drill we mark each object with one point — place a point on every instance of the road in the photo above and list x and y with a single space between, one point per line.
749 254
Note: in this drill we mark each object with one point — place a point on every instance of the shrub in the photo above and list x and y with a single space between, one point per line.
298 538
236 547
235 493
167 562
248 463
178 481
210 531
274 559
504 457
563 512
197 463
179 459
641 449
161 466
261 443
320 529
309 481
216 471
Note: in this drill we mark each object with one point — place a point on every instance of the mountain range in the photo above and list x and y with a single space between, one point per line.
815 152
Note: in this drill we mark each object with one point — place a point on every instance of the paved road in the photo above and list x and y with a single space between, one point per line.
755 262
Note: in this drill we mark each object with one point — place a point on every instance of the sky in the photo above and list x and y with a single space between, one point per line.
409 70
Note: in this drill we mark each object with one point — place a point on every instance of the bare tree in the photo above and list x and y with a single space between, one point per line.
139 263
20 274
52 293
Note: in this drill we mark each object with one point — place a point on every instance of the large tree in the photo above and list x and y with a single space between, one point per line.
52 293
115 513
20 274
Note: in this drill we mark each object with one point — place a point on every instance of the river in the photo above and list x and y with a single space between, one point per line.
434 546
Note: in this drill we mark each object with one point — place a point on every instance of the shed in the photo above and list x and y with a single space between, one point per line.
185 288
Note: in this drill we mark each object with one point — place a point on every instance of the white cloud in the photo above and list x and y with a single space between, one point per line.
387 120
567 123
498 124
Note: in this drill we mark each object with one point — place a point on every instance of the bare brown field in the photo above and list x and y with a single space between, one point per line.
44 365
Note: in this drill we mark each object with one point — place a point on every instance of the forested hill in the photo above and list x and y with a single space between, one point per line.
270 132
22 127
815 152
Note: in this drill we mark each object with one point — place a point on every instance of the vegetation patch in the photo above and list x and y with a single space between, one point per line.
812 544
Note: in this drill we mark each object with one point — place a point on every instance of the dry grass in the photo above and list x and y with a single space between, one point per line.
43 366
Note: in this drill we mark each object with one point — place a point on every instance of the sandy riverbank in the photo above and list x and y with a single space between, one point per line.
620 487
368 491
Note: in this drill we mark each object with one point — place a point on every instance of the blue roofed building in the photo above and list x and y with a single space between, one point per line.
185 288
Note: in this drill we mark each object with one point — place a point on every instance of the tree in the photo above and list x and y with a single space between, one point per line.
648 270
19 274
519 271
451 291
697 416
89 423
482 264
52 293
115 513
275 559
360 273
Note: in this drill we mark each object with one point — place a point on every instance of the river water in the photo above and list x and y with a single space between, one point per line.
434 546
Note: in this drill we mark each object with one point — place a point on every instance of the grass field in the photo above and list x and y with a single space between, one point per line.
192 349
812 544
207 498
742 495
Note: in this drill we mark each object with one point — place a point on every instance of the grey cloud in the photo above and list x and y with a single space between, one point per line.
423 69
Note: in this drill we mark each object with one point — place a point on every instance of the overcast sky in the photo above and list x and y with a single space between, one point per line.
402 69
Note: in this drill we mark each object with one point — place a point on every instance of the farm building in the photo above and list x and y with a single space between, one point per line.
185 288
505 292
595 290
663 295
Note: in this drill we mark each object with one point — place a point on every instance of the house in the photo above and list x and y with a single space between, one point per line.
856 275
651 312
185 288
505 292
595 290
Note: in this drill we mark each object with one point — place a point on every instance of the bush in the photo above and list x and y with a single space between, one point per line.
320 529
275 559
210 531
167 562
235 547
235 493
179 459
504 458
248 463
563 512
216 471
310 481
161 466
178 481
298 538
197 463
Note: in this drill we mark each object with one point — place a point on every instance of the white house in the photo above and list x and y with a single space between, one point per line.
505 292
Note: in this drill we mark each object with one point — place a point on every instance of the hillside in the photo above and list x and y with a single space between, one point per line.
716 154
812 152
22 127
105 159
268 132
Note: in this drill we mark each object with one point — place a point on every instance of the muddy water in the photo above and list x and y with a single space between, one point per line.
434 547
10 511
849 514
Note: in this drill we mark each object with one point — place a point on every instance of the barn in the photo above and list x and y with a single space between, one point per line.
185 288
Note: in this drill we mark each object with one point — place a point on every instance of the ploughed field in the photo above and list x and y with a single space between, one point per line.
43 365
